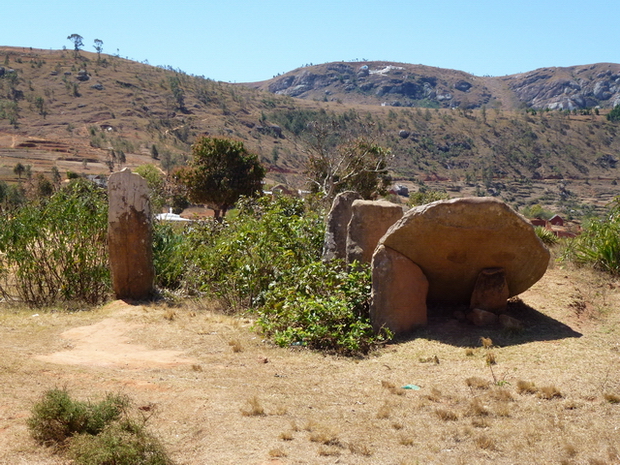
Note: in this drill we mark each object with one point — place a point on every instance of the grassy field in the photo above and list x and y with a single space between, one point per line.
215 392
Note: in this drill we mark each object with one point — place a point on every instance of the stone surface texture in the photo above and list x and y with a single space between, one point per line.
452 241
335 243
482 317
490 291
369 221
399 291
130 236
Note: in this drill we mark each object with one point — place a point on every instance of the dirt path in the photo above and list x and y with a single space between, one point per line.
105 344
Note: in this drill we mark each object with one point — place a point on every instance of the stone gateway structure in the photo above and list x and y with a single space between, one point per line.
130 236
456 244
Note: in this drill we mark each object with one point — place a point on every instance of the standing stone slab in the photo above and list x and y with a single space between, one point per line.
335 244
130 236
399 291
452 241
369 222
490 291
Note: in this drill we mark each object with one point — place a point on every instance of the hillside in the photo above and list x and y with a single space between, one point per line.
406 85
91 114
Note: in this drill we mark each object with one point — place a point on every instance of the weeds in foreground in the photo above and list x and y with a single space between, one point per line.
612 398
101 433
549 392
57 417
526 387
256 409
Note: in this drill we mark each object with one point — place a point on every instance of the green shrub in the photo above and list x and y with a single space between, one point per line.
55 249
614 114
57 417
599 243
121 443
321 306
547 237
169 255
100 433
424 196
238 260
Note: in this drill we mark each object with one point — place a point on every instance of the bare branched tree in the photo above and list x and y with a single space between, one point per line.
342 159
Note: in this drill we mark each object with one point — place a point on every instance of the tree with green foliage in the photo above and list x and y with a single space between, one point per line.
77 43
19 169
154 152
614 115
157 185
56 177
39 103
98 48
177 93
221 171
43 187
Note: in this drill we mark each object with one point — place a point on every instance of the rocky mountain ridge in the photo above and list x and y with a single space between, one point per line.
407 85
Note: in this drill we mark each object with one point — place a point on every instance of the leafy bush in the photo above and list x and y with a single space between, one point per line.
57 417
238 260
547 237
56 249
321 306
94 433
599 243
169 255
121 443
614 115
424 196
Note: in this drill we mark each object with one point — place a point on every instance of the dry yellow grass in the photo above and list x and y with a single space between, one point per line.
318 409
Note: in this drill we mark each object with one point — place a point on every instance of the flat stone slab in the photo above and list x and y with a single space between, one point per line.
452 241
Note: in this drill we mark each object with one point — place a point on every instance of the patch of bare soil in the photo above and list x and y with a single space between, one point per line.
222 395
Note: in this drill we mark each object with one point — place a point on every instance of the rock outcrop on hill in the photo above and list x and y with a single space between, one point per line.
400 84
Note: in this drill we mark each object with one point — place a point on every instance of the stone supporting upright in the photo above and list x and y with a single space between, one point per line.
399 290
130 236
490 291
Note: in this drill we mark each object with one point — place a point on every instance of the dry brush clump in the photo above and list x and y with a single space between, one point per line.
255 408
100 433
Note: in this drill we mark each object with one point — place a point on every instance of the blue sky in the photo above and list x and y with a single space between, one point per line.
245 41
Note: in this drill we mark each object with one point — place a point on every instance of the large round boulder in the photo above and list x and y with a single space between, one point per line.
452 241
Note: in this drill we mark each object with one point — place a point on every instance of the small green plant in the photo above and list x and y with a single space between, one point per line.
57 417
121 443
599 244
90 433
547 237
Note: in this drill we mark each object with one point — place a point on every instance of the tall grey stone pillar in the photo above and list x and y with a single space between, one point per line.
130 236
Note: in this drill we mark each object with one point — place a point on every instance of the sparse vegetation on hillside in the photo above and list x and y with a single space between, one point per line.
132 107
614 115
